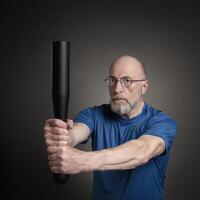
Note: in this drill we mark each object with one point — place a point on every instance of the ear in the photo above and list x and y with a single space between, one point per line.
145 85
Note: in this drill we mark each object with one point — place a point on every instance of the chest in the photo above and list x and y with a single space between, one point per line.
111 134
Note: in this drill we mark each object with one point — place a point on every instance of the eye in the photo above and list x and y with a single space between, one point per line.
127 81
111 81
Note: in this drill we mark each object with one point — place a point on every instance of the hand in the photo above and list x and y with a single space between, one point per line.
67 160
57 132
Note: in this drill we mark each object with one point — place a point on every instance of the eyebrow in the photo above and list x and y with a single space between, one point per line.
121 77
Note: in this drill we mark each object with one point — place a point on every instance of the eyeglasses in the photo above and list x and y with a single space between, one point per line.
125 81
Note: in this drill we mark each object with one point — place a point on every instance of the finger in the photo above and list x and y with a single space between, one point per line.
57 143
49 136
54 170
54 163
54 122
70 124
56 130
57 170
52 149
52 157
46 128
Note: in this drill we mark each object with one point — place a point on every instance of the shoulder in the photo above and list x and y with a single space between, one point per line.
156 116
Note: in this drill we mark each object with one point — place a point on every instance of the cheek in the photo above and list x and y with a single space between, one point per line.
134 94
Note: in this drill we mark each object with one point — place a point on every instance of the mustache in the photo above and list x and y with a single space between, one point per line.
118 98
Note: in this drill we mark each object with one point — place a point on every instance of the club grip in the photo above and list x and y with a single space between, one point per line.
61 87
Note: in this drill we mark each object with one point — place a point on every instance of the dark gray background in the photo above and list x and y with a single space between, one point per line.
164 35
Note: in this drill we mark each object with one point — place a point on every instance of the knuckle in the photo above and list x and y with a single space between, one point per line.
61 157
49 149
48 142
70 123
45 129
60 138
60 131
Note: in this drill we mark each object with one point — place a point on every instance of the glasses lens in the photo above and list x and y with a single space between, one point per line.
126 82
110 82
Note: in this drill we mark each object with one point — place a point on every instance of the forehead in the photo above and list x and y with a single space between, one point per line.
126 67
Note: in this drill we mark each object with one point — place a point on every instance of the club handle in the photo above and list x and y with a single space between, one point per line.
60 178
61 87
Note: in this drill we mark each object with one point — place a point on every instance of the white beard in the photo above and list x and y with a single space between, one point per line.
122 108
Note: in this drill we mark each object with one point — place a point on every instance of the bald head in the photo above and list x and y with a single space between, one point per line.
129 65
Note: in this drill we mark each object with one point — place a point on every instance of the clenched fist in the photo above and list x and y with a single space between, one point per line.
57 132
60 138
68 160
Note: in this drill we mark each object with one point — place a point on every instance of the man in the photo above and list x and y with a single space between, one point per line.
131 140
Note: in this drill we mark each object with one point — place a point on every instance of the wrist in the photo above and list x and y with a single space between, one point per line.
94 161
72 139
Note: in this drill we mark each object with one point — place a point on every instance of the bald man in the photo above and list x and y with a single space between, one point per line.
131 140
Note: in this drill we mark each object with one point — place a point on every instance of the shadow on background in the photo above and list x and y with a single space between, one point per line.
165 36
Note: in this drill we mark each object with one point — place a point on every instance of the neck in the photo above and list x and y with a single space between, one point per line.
136 111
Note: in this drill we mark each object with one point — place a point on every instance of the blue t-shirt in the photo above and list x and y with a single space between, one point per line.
108 130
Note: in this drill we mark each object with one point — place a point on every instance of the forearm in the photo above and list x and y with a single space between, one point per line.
69 160
79 133
126 156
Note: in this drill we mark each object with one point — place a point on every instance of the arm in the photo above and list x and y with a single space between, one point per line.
130 154
61 133
80 132
126 156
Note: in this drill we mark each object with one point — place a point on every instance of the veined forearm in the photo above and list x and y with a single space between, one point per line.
69 160
126 156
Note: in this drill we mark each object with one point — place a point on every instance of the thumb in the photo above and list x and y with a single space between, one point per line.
70 124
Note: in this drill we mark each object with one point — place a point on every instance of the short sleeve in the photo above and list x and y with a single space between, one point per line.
163 126
86 117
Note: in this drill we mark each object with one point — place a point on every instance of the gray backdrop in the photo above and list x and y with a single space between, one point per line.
165 36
